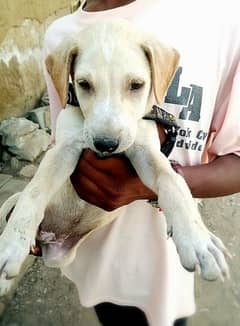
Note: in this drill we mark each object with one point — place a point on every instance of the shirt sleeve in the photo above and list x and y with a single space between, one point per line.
224 135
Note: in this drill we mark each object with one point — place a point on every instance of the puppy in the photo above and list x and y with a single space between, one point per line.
118 74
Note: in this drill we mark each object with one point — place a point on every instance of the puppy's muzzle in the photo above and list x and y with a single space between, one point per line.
105 144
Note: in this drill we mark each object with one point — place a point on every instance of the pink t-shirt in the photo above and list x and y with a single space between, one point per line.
131 261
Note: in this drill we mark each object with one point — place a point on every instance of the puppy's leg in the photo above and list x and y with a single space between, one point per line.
197 247
20 231
6 209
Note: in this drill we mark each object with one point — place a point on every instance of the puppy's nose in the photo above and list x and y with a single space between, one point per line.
105 144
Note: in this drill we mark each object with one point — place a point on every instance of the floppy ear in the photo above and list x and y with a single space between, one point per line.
163 62
58 64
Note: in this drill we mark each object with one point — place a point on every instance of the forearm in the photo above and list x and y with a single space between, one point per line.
218 178
112 183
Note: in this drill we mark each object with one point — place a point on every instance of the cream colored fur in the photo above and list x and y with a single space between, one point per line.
110 56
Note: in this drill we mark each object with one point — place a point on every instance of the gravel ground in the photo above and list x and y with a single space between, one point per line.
46 298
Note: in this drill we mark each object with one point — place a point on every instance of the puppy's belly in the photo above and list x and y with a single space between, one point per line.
67 222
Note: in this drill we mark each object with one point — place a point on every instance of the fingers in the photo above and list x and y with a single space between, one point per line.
87 177
92 193
114 165
94 186
108 176
108 183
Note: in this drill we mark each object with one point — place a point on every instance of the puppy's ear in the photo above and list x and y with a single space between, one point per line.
58 64
163 63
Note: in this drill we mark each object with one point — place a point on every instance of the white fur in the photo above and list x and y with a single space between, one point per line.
109 49
121 112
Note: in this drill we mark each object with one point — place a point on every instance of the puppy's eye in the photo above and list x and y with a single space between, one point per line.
136 85
85 85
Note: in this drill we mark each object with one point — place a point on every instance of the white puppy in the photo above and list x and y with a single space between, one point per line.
118 75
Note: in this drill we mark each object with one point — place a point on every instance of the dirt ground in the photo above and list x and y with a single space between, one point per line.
45 297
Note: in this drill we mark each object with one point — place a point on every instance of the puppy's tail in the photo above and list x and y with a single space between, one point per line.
6 209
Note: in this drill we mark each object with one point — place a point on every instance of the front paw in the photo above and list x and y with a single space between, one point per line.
13 252
202 251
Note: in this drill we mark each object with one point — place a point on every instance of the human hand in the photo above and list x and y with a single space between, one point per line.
109 183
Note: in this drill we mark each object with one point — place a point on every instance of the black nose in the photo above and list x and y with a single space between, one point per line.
105 144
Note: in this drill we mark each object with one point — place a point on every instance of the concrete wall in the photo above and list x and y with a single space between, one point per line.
22 26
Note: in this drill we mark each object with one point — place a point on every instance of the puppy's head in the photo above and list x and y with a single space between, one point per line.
118 73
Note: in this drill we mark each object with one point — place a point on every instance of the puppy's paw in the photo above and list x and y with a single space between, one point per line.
13 252
5 286
203 251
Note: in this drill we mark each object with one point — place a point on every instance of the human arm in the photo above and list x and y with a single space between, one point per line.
113 182
220 177
109 183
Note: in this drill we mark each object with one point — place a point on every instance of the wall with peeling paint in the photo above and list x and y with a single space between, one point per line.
22 26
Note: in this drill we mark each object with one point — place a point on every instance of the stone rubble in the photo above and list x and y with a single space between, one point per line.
28 171
24 140
41 116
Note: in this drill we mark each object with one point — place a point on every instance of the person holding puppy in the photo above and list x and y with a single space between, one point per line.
128 269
